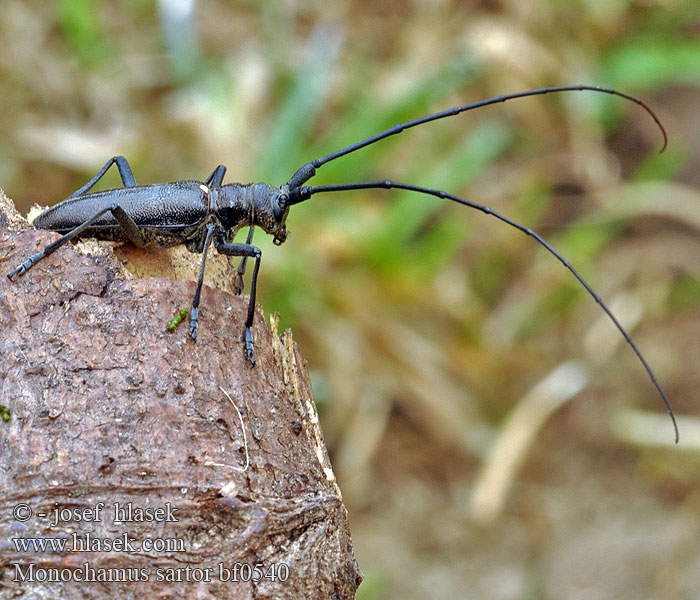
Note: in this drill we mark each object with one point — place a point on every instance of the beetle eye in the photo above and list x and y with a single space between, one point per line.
279 205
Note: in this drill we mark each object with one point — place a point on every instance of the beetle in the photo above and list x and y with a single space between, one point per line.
196 213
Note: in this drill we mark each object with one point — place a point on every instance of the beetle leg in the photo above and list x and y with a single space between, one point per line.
245 250
125 221
238 282
124 172
194 314
217 176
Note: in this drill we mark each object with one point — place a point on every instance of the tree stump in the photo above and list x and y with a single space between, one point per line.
138 464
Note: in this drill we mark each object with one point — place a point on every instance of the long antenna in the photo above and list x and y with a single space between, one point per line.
305 192
305 172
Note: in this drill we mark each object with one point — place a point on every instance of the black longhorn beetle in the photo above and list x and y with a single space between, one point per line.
195 213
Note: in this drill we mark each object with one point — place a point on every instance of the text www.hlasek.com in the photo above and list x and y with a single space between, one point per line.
91 543
237 572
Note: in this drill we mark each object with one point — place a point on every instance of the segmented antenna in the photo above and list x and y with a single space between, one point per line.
305 172
299 193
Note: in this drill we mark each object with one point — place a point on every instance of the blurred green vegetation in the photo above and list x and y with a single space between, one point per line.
446 315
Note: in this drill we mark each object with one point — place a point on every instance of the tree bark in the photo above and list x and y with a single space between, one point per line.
221 494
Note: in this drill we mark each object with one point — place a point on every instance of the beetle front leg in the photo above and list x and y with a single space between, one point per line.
245 250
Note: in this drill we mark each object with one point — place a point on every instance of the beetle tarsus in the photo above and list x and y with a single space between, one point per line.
249 349
19 271
194 315
25 266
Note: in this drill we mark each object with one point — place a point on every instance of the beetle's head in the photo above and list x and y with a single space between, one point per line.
280 210
271 210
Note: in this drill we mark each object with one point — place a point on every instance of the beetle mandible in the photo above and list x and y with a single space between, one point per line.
196 213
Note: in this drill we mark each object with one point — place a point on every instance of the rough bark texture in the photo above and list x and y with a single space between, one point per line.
108 407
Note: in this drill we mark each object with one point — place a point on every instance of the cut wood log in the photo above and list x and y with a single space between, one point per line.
168 469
